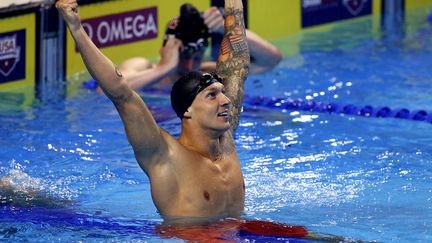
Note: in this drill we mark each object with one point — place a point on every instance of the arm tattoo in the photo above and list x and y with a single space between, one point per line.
233 61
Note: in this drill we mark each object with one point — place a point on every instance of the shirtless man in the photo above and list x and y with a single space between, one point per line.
173 63
197 175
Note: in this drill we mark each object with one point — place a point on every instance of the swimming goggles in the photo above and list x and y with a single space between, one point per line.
206 80
193 47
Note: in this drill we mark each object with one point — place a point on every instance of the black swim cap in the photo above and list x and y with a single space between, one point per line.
187 87
189 27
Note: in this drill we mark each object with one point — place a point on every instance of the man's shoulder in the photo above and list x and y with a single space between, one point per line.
176 151
177 159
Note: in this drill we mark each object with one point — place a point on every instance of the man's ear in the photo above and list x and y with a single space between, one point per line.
187 114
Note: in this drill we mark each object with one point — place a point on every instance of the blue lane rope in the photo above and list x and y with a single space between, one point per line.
349 109
310 105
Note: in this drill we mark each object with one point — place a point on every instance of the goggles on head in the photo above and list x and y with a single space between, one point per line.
206 80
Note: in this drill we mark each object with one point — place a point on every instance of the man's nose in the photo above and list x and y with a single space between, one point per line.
225 100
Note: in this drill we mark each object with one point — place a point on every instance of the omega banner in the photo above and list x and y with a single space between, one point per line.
116 29
315 12
123 29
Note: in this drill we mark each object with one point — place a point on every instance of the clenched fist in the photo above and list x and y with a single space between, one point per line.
69 10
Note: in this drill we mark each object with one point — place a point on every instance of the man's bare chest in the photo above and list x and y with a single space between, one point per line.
214 188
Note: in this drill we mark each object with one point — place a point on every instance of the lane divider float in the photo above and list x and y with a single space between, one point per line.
348 109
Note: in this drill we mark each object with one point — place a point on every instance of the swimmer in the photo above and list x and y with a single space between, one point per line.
197 175
185 52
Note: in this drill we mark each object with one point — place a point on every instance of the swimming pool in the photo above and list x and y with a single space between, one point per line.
361 178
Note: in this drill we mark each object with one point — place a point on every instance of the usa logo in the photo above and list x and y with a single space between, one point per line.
354 6
9 54
12 56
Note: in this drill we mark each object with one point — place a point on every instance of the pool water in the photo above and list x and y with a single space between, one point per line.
366 179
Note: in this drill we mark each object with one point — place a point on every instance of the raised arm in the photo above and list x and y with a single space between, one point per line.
233 61
264 55
142 131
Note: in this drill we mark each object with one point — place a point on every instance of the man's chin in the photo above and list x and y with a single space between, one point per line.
222 129
226 127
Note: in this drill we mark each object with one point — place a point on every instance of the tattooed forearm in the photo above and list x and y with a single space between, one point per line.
233 61
234 53
235 92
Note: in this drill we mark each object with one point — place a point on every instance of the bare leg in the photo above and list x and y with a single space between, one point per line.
133 65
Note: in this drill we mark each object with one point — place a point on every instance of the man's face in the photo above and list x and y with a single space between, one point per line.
190 62
210 108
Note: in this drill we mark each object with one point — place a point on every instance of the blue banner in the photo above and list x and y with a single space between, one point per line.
316 12
12 56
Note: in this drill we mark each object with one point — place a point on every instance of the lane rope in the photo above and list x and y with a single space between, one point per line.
335 108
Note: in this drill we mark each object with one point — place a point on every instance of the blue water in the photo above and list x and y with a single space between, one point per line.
361 178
